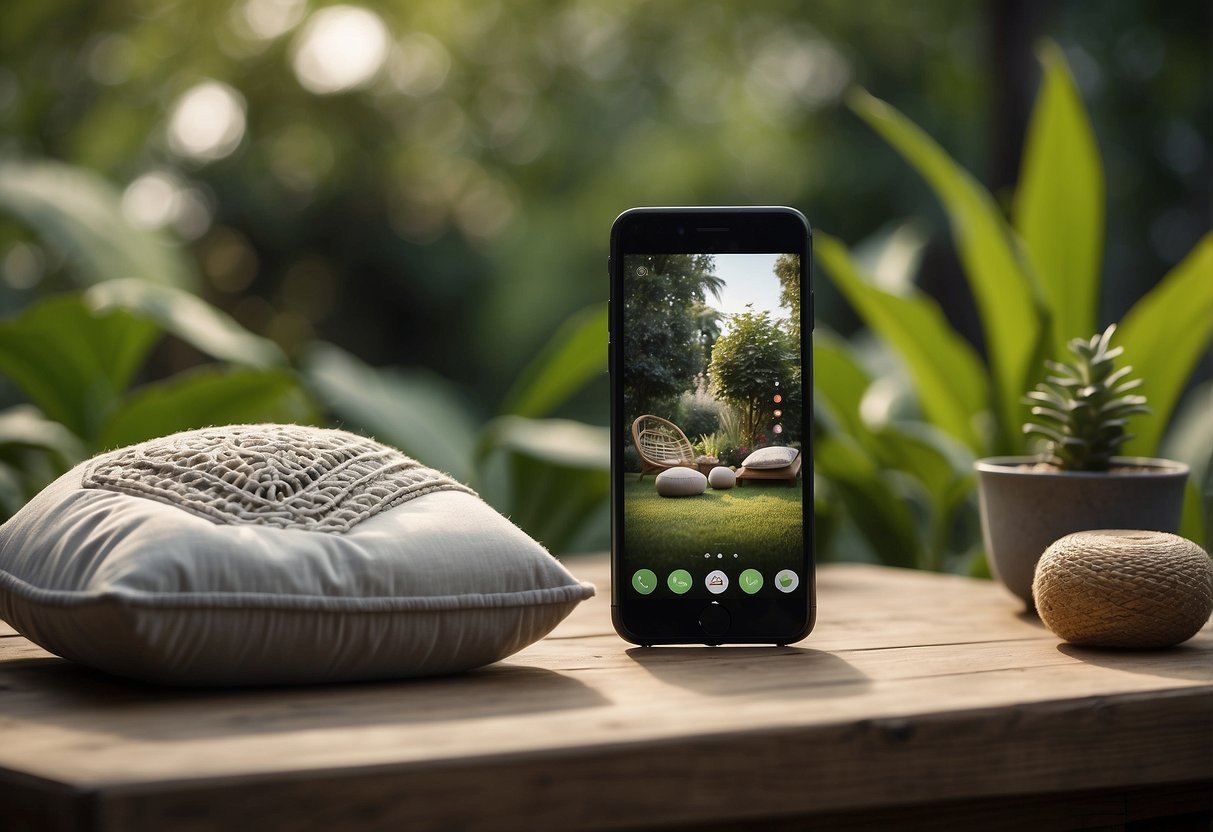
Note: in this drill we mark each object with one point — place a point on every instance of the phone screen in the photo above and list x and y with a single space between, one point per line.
711 501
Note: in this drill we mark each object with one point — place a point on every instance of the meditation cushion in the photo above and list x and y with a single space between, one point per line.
681 482
776 456
1117 588
721 478
271 554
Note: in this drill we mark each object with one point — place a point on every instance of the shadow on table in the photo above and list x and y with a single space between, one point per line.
739 671
1193 661
56 691
1030 616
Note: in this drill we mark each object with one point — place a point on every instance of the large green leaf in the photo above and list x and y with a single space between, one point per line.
414 410
1193 523
550 476
72 362
12 491
937 463
207 396
576 353
80 214
24 426
892 255
951 382
839 383
1059 206
880 513
1164 335
936 460
1012 316
187 316
1190 437
34 450
941 467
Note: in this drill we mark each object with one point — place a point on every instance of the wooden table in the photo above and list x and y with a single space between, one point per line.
921 701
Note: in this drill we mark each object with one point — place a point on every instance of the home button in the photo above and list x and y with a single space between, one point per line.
715 620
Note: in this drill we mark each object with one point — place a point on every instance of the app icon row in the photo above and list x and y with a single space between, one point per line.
680 581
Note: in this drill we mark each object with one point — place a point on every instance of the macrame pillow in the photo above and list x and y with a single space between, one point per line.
264 554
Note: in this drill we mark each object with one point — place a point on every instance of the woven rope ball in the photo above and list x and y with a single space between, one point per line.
1117 588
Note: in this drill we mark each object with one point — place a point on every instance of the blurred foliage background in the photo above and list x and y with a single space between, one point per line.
393 216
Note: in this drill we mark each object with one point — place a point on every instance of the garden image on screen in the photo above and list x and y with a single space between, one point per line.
711 374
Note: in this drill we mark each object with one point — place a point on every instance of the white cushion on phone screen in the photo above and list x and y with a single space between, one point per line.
721 478
776 456
681 482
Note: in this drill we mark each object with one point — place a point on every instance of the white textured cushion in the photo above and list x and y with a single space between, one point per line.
721 478
270 554
681 482
776 456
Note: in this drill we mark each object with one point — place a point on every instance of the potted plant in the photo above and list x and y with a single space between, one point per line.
709 457
1078 483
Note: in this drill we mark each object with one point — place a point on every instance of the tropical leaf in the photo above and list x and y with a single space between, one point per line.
892 255
942 465
576 353
951 382
1193 523
880 513
1059 205
12 491
1164 335
1012 316
187 316
74 363
839 383
935 463
24 426
413 410
551 477
34 450
80 214
1190 437
207 396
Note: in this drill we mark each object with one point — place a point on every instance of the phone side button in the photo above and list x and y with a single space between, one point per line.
715 620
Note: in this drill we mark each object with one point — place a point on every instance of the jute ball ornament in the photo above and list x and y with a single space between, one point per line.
1121 588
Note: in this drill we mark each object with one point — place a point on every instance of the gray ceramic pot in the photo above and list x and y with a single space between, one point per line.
1023 510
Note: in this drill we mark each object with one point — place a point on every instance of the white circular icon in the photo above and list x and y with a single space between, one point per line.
786 580
716 582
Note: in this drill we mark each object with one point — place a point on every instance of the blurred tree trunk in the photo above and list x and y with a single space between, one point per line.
1014 27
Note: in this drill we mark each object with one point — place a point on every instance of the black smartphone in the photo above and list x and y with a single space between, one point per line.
711 325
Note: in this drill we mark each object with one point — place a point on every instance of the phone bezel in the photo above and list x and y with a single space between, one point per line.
711 230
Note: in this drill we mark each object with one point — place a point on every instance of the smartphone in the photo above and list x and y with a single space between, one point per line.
711 325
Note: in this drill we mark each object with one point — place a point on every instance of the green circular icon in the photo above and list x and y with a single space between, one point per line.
679 581
644 581
751 581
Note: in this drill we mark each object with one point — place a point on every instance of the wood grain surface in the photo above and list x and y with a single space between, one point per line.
914 691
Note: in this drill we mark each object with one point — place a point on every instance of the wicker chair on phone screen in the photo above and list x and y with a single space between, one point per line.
661 445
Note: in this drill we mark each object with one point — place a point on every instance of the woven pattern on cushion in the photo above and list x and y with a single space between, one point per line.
286 476
1124 588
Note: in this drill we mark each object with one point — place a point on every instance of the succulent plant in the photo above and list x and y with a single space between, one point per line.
1083 406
